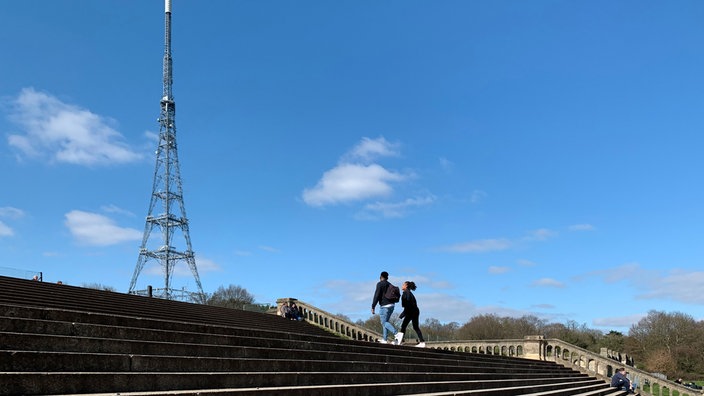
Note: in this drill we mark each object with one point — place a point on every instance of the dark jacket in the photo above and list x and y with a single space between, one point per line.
379 294
409 304
620 381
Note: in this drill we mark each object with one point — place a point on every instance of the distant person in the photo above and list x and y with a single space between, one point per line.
285 310
59 283
294 312
386 306
35 277
410 313
679 380
620 381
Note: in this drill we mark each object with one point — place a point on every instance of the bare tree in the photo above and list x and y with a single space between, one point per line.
661 340
233 296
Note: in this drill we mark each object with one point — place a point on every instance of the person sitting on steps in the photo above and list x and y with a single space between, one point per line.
620 381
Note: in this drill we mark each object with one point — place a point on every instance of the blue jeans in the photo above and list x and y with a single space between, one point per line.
385 315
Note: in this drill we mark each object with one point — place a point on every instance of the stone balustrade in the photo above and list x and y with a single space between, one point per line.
601 365
330 322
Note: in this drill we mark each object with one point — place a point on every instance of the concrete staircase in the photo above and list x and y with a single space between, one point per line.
60 339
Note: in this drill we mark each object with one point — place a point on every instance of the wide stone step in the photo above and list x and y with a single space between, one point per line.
41 294
19 361
149 341
18 342
71 319
600 387
242 383
607 391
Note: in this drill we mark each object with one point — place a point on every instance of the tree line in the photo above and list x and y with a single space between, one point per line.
670 343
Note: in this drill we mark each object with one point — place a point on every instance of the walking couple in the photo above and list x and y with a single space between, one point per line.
384 296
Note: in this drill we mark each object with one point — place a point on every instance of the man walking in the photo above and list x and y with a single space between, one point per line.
386 307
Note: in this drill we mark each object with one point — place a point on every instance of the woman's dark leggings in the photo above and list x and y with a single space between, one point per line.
414 320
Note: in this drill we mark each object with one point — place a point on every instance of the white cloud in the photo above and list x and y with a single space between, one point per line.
392 209
478 246
351 182
356 177
268 249
581 227
498 270
547 282
95 229
65 133
5 231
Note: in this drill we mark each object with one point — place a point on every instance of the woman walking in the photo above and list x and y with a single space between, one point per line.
410 313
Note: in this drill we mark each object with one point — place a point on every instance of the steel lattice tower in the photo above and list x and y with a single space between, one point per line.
166 209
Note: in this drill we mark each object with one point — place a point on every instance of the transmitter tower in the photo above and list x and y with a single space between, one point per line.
167 213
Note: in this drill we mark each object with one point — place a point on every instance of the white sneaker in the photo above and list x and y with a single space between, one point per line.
398 338
421 345
382 341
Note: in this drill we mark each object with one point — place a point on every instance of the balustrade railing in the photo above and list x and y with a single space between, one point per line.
600 365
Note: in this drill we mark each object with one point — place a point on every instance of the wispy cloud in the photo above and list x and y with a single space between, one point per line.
376 210
478 246
268 249
62 132
5 230
477 196
206 265
678 285
618 321
543 306
9 212
356 177
446 164
525 263
581 227
496 270
615 274
547 282
98 230
116 209
181 269
369 150
541 234
496 244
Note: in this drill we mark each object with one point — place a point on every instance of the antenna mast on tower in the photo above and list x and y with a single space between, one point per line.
166 210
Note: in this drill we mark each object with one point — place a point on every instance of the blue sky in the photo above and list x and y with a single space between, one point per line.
510 157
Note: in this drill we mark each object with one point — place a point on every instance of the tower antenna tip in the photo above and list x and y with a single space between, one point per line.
167 4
